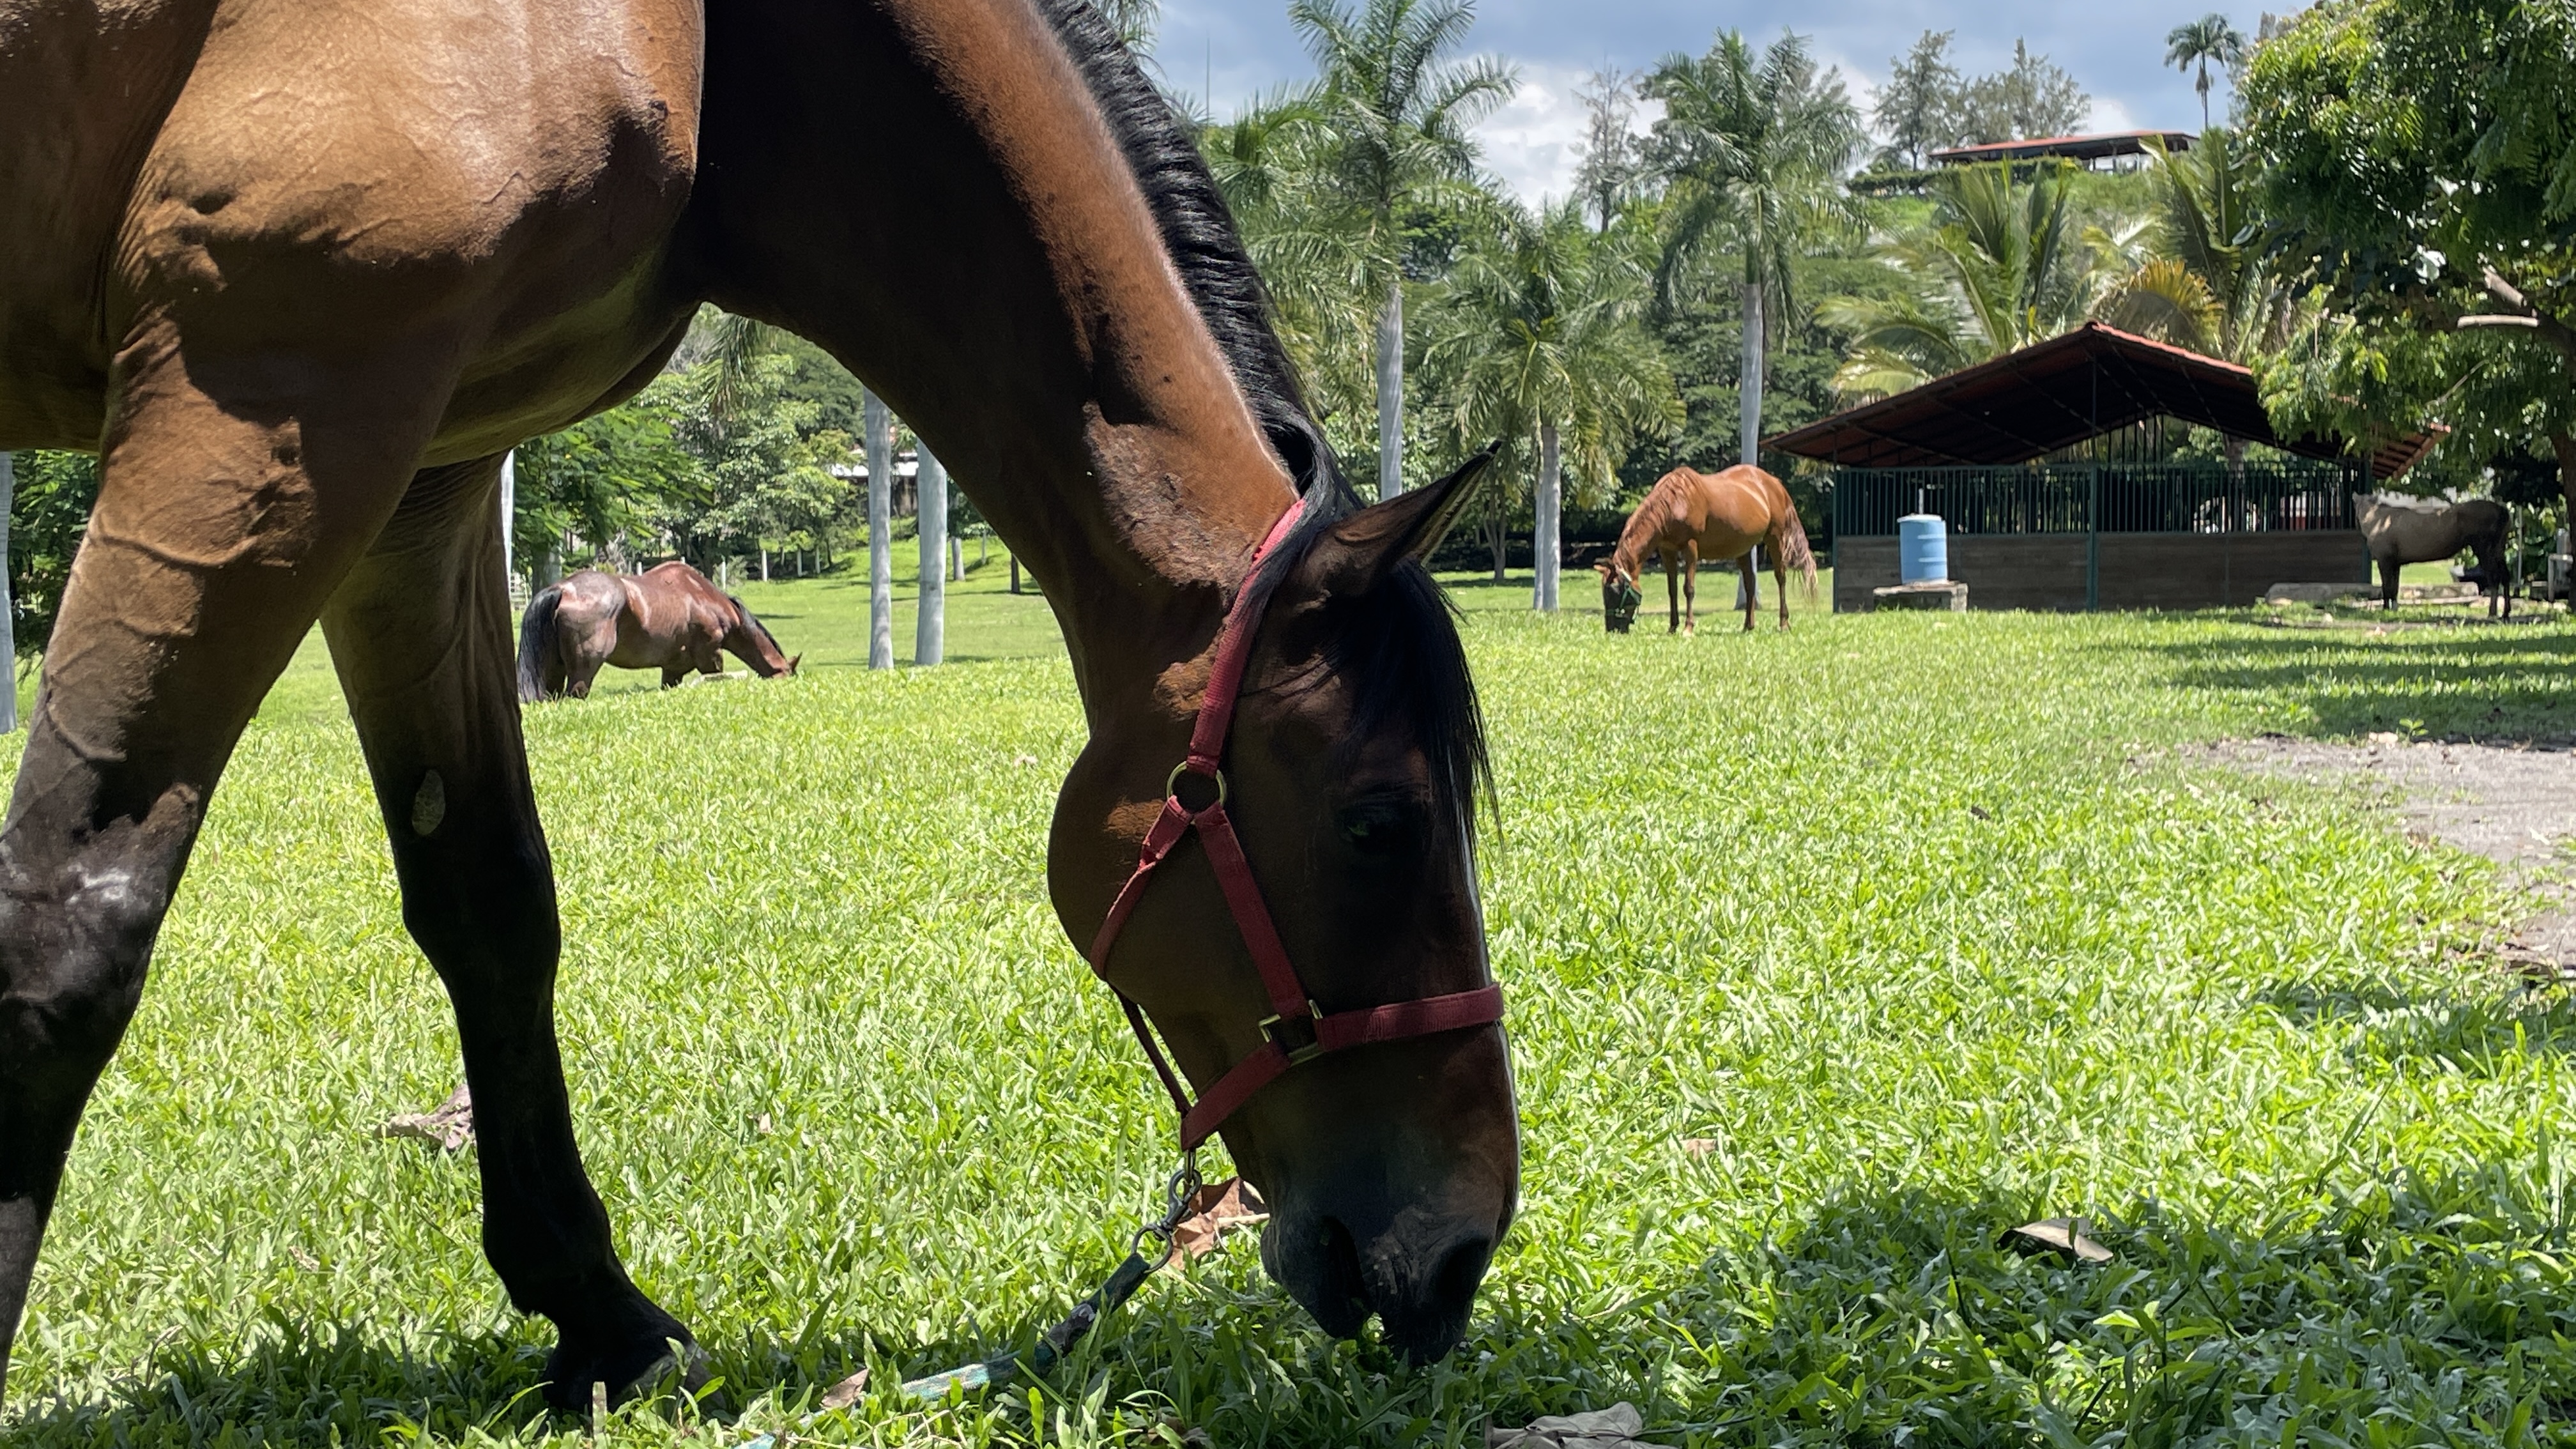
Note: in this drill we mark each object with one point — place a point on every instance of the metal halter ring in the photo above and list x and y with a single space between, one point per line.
1172 783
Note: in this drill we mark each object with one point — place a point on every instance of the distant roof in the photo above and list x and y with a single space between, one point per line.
2073 148
2058 393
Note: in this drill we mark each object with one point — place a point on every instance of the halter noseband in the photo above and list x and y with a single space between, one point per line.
1297 1030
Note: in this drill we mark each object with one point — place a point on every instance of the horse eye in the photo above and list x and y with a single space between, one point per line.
1381 829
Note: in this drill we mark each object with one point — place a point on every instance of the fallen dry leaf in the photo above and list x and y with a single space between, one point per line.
451 1126
846 1392
1216 1209
1616 1427
1699 1146
2063 1236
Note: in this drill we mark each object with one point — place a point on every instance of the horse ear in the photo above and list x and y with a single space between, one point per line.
1361 550
1602 569
792 661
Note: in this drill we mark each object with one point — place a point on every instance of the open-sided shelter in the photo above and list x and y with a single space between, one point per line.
2049 467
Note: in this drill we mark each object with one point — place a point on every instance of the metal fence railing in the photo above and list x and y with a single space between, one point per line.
2200 497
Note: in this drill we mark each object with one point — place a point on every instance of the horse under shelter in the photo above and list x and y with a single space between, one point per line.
2057 469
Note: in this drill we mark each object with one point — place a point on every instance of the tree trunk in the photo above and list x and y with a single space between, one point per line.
1499 528
547 572
1390 393
764 563
880 433
930 626
2562 444
1749 390
509 515
8 605
1543 542
956 558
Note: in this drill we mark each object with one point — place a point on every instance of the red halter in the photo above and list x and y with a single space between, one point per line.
1296 1030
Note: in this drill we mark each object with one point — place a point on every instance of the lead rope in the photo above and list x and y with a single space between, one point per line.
1178 1189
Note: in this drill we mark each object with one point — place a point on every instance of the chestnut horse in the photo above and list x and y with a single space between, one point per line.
1688 516
304 272
668 617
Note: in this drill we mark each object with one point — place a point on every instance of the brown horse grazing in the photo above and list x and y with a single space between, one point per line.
668 617
302 272
1688 516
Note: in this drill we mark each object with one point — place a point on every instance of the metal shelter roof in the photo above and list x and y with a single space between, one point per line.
2074 148
2055 394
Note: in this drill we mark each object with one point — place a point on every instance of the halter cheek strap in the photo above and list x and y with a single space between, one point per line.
1296 1030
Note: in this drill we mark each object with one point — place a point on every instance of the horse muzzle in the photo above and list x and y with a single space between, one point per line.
1418 1273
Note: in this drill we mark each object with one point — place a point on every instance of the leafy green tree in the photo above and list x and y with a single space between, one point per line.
1613 171
2032 98
1388 133
609 481
766 466
1753 148
2002 264
2192 46
1919 107
2419 159
48 510
1539 336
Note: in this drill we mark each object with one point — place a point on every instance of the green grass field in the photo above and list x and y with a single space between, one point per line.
1831 955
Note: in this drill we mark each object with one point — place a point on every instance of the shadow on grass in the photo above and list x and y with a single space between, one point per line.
2506 682
2472 1034
2313 1312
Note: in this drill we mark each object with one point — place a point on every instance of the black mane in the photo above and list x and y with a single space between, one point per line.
1401 652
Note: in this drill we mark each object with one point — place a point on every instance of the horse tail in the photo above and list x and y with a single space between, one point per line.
1789 542
540 645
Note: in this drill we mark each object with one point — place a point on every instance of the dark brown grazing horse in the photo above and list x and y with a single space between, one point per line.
302 272
1688 516
668 617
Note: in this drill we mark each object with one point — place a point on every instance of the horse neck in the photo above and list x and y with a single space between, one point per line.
750 642
1638 534
1021 313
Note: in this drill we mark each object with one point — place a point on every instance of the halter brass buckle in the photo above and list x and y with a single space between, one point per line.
1275 1029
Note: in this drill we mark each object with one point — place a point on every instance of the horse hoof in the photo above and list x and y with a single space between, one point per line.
629 1368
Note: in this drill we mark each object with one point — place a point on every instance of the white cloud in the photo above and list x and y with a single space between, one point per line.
1534 143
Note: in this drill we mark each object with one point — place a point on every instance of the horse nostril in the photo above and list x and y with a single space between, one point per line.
1460 1269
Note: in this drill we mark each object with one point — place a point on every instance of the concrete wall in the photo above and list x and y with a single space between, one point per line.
2139 570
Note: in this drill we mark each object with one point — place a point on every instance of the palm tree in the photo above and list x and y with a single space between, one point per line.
2212 286
1539 334
1754 149
2007 265
2200 42
1391 121
1272 162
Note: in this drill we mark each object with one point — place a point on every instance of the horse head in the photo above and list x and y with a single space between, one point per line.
1392 1169
1619 598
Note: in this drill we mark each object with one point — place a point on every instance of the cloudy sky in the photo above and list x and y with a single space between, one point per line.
1232 50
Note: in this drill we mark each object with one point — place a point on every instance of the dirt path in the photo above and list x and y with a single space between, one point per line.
2513 804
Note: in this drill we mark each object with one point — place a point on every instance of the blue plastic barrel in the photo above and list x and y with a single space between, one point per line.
1922 549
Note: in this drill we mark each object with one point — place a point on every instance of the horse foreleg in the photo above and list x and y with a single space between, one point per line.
2389 569
443 748
221 523
1690 587
1672 590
